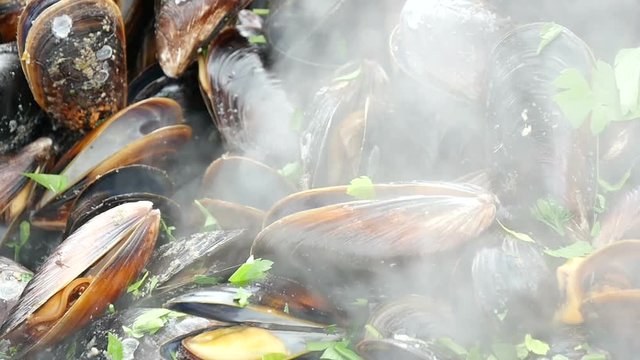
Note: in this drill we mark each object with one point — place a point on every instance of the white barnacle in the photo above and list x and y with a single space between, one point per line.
61 26
104 53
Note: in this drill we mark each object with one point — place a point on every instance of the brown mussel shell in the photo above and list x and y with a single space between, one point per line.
183 26
9 13
77 282
73 56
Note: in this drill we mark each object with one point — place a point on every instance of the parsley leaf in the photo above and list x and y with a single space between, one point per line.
361 188
577 249
552 213
257 39
292 171
548 33
55 183
627 75
606 105
335 350
111 309
210 222
150 322
26 277
515 234
242 297
261 12
135 287
536 346
576 99
167 229
206 280
361 302
250 271
452 345
25 232
114 347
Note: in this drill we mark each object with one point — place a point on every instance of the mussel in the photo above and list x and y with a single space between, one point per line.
77 282
73 56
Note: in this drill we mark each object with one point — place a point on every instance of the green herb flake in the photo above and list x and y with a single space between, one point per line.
274 356
336 350
601 204
575 98
548 33
361 188
521 351
606 106
70 354
285 309
452 345
257 39
114 347
515 234
579 248
504 351
627 73
296 120
551 213
242 297
292 171
174 355
135 287
150 322
210 222
349 77
26 277
167 229
361 302
373 332
206 280
25 232
331 329
252 270
594 357
608 187
261 12
111 309
55 183
535 346
559 357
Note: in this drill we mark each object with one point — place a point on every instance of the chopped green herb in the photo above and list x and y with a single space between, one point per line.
71 352
174 355
114 347
575 99
331 329
504 351
153 282
257 39
601 204
336 350
135 287
274 356
167 229
285 309
361 302
292 171
607 187
25 232
296 120
210 222
452 345
150 322
26 277
242 297
53 182
552 213
548 33
594 357
627 75
372 331
535 346
261 12
502 315
515 234
559 357
111 309
521 351
350 76
606 105
252 270
577 249
206 280
361 188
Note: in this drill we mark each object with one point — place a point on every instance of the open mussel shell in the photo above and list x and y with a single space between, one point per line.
512 280
128 180
15 188
528 123
244 181
334 145
319 197
73 55
249 106
13 279
607 276
77 282
456 65
247 342
21 120
348 242
182 27
231 215
268 302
